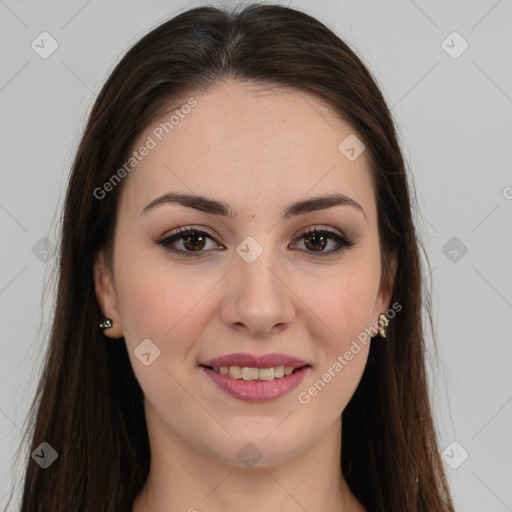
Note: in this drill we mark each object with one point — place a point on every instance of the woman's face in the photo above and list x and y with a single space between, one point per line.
250 281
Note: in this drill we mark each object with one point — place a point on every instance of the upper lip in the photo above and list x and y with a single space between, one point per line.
255 361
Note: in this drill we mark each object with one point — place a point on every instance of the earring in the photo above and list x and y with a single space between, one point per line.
106 324
383 322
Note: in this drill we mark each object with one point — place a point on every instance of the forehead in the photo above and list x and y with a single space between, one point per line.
248 145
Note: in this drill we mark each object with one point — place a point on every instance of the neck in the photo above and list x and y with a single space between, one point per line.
183 478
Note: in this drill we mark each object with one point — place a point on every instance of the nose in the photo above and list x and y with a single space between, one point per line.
258 298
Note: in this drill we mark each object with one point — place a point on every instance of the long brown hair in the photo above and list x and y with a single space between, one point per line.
89 405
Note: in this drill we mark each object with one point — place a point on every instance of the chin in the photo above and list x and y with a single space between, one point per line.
258 450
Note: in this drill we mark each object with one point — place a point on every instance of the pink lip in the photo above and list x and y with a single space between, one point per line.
257 390
255 361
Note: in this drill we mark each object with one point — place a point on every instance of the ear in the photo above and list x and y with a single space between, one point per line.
386 288
106 295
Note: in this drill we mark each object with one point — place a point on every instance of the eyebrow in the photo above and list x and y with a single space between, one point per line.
214 207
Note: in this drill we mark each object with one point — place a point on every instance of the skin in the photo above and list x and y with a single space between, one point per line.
240 145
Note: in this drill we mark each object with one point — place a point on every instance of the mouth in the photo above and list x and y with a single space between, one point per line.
258 383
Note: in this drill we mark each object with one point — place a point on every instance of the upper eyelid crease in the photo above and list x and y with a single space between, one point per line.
214 207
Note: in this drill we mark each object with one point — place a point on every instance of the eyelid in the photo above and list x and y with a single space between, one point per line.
186 229
320 228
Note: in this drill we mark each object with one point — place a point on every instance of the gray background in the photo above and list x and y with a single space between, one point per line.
455 124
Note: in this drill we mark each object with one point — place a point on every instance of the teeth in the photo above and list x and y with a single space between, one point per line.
246 373
235 372
278 372
250 373
265 373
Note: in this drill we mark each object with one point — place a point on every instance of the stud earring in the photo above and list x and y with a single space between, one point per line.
383 322
106 324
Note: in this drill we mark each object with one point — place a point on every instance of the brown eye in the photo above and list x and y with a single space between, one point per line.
190 241
316 241
194 241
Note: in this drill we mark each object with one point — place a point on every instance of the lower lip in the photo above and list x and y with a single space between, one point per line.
257 390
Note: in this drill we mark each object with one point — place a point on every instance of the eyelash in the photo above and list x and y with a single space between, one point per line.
167 241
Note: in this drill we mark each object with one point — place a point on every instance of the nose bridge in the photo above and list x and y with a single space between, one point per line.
259 276
258 296
258 280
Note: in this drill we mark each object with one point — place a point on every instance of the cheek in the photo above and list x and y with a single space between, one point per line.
149 295
165 307
344 300
341 351
345 305
163 302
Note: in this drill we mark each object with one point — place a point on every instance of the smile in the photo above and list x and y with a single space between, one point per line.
246 373
256 377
